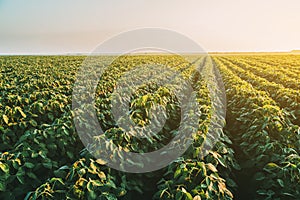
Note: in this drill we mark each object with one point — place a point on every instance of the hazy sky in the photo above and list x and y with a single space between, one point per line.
65 26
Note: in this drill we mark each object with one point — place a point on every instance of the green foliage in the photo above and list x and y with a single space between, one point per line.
268 139
41 156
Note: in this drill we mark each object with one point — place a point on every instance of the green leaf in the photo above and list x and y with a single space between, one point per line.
177 173
15 164
270 166
4 167
261 192
65 167
32 175
29 165
47 165
92 195
89 186
21 111
5 118
281 183
288 194
21 179
222 161
187 194
2 186
33 122
54 180
27 197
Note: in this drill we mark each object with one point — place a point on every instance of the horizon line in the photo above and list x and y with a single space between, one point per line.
89 53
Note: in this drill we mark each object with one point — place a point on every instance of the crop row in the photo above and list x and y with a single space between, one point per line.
195 177
288 99
276 65
289 61
268 73
265 138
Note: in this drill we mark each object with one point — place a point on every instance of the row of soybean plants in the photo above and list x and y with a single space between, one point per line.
36 129
276 65
289 61
189 177
267 72
265 139
286 98
202 178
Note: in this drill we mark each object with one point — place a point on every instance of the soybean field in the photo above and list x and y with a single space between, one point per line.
254 156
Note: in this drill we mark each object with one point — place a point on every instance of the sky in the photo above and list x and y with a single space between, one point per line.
79 26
